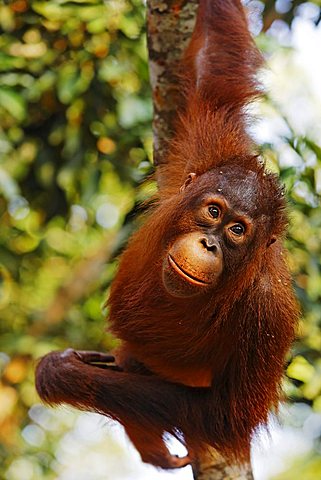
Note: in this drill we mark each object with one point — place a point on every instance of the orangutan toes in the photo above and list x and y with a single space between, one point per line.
179 462
94 357
97 359
167 461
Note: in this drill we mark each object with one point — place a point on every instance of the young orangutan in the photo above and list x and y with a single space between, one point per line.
202 301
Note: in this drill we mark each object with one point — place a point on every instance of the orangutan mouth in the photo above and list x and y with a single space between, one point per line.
186 275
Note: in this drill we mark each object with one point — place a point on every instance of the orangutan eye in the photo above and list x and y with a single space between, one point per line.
238 229
214 211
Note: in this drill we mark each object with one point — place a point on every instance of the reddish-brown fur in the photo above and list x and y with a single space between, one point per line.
206 368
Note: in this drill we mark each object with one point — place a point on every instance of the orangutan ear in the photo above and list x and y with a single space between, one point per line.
271 241
190 178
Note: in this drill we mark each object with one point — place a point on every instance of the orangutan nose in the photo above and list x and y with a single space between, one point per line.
209 244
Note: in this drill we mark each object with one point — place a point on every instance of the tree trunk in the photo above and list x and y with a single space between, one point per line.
170 24
215 467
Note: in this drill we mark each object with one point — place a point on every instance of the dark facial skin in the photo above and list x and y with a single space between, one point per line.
223 221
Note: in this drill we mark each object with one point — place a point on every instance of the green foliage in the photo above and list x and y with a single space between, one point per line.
75 141
75 145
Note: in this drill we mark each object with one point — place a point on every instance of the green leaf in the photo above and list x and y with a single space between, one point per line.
13 103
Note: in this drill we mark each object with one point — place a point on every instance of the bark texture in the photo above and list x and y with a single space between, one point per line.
170 24
215 467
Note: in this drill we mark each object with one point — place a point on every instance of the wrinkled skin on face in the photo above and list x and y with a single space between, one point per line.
224 221
194 262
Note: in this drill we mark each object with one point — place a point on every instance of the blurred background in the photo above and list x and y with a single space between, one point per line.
75 148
